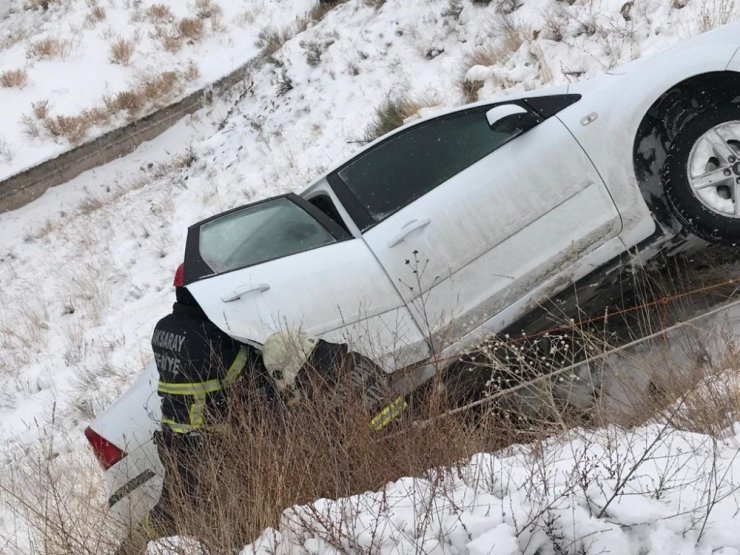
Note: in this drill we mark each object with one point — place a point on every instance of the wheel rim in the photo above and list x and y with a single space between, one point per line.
714 169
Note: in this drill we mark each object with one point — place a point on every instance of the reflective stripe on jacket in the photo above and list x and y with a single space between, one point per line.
196 362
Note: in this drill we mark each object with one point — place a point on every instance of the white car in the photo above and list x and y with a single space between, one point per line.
455 227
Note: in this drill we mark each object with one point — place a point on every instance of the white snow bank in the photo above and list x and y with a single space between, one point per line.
651 490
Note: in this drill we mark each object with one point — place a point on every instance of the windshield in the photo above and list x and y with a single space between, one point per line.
259 233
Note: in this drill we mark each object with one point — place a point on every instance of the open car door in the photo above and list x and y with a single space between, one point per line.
283 264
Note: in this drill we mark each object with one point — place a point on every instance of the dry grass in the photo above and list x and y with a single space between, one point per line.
191 28
49 48
6 154
392 113
469 90
14 78
40 109
154 91
715 13
271 40
63 515
96 14
121 51
514 32
208 9
42 4
270 459
191 72
159 13
319 11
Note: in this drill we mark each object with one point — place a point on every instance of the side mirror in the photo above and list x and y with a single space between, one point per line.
511 119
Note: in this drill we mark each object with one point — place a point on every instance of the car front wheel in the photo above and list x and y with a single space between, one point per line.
702 174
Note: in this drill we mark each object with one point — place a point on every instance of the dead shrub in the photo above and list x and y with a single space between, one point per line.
121 51
271 458
96 14
206 9
514 33
159 13
58 497
6 154
191 28
42 4
485 56
41 109
191 72
271 40
161 87
322 7
14 78
49 49
128 101
703 399
72 128
30 126
392 113
154 91
170 40
470 89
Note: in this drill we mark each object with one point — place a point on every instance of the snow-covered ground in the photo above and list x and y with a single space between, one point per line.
86 269
650 490
75 54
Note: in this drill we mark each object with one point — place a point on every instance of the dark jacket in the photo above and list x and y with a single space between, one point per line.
334 363
193 359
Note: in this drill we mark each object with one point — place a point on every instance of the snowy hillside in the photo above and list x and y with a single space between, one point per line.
70 70
86 269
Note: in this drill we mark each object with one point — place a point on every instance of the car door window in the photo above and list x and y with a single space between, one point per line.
259 233
408 165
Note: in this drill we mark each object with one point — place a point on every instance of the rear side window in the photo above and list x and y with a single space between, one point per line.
410 164
260 233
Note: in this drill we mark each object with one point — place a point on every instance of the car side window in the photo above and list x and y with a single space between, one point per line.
259 233
406 166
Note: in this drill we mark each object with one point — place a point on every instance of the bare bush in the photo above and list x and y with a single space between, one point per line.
40 109
59 499
206 9
392 113
329 438
6 154
49 48
271 40
191 28
30 126
72 128
319 11
168 37
96 14
715 13
191 72
121 51
159 13
14 78
42 4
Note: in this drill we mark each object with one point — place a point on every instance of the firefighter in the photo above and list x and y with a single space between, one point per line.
296 363
197 365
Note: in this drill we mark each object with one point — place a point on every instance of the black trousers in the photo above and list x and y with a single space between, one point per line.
180 455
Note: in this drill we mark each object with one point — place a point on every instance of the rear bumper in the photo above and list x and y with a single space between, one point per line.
134 484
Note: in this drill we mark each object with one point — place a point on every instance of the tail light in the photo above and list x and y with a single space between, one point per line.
106 453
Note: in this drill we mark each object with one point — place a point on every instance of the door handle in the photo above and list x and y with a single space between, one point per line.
239 292
408 229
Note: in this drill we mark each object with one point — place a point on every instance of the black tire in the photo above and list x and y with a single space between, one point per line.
697 217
